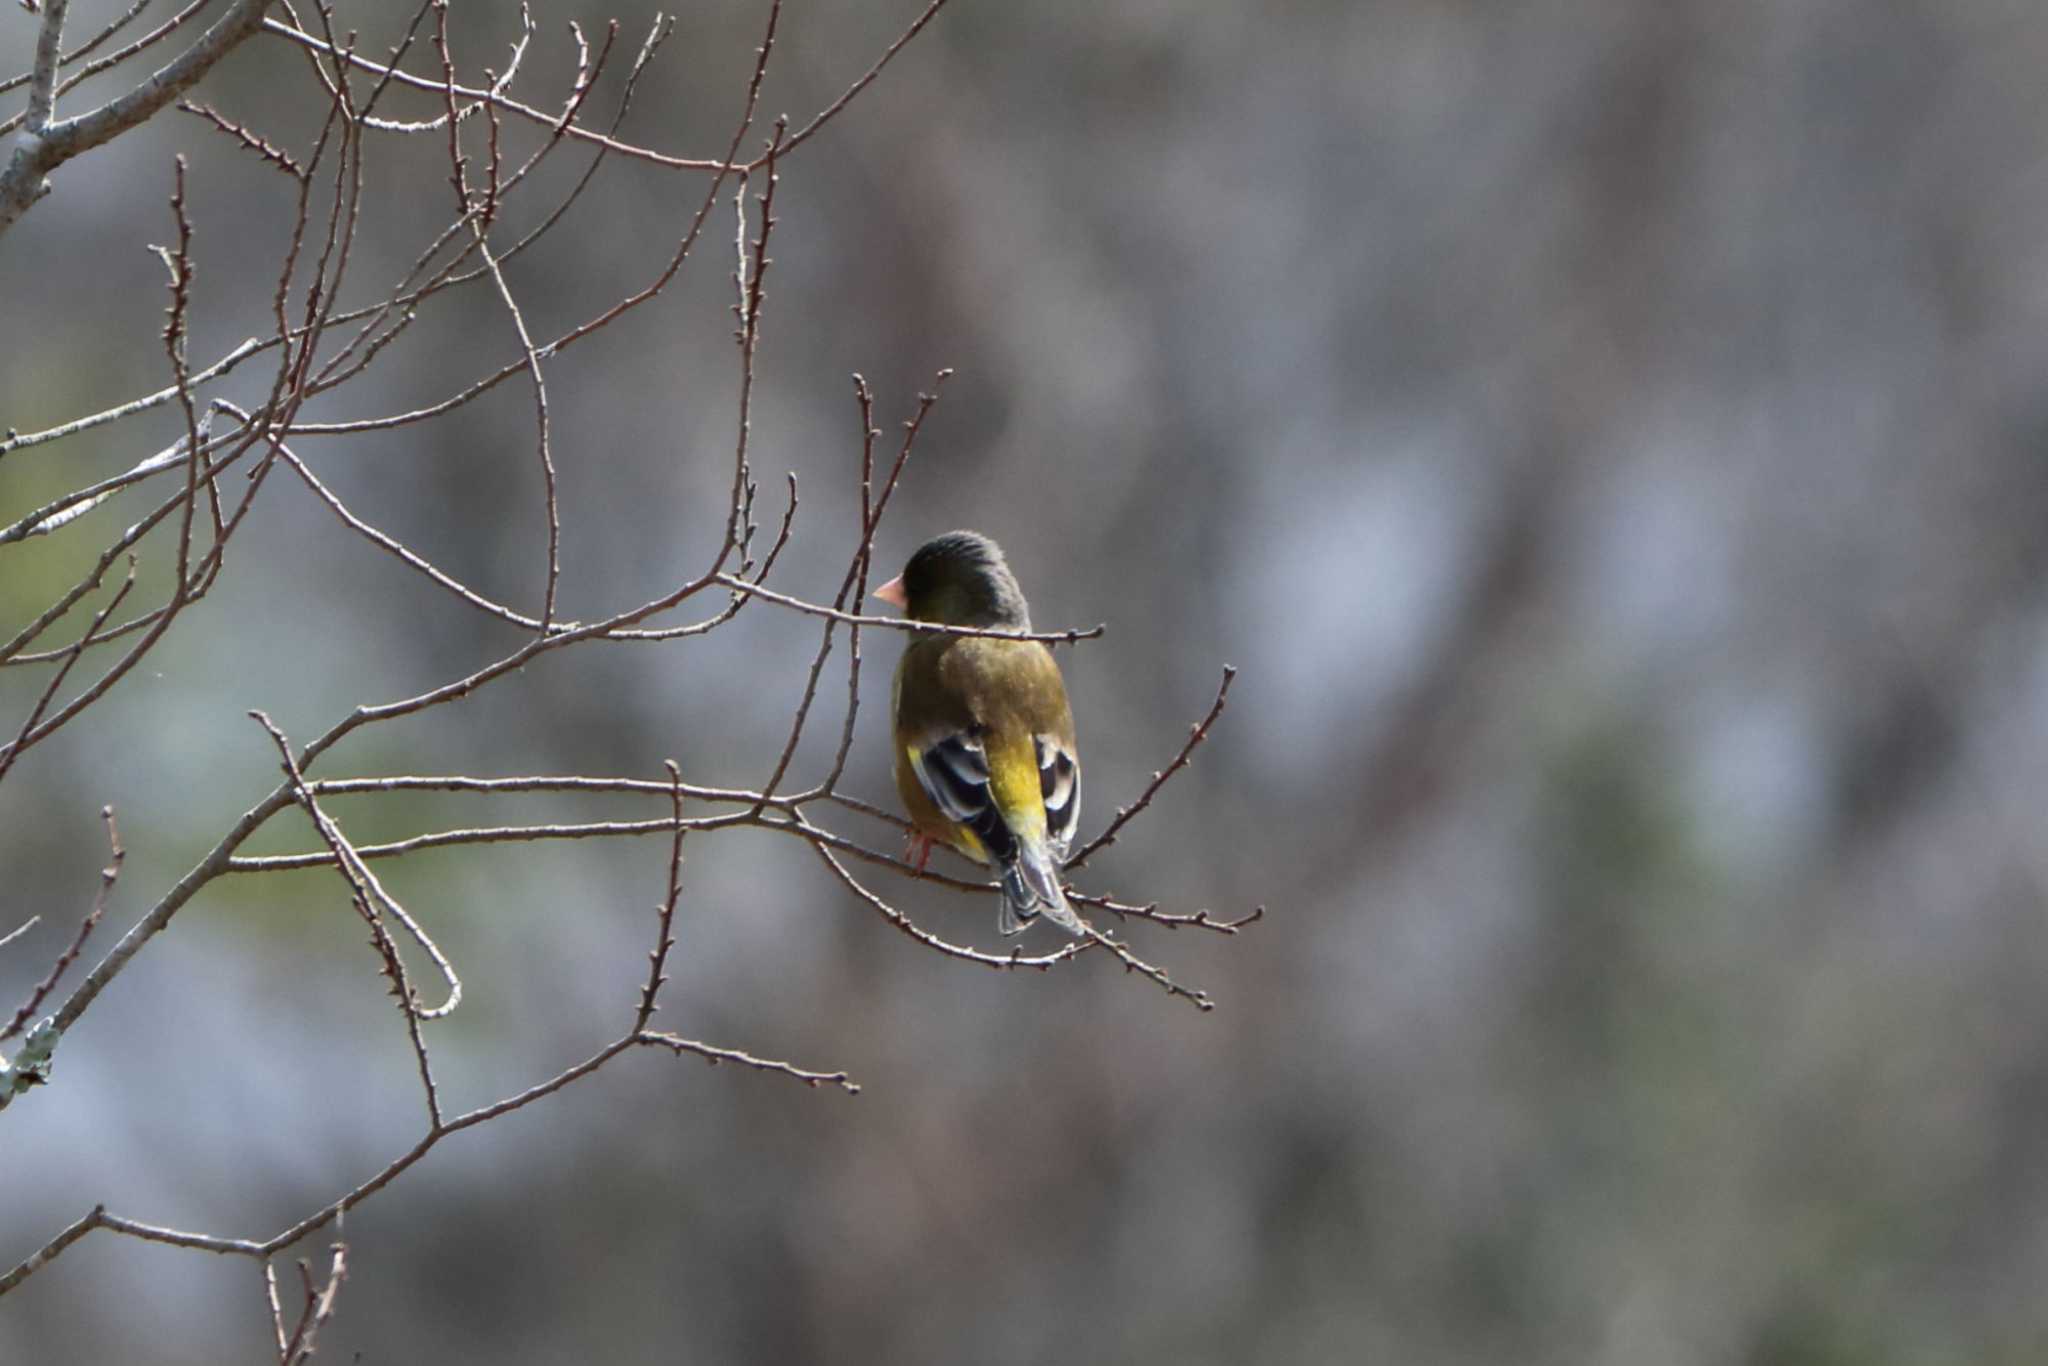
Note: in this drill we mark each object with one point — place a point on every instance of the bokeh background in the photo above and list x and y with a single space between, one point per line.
1609 438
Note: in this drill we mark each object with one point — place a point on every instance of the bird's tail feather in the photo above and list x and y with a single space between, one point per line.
1031 886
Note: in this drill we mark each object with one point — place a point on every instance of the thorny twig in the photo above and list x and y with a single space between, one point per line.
108 876
1196 734
665 939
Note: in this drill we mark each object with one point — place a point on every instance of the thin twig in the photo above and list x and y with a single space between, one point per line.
49 1251
220 367
1132 963
609 315
862 558
1196 734
326 787
665 913
254 142
60 512
318 1309
831 111
550 507
715 1056
1200 920
276 1310
372 902
485 96
108 876
11 651
179 262
853 587
70 657
495 834
902 623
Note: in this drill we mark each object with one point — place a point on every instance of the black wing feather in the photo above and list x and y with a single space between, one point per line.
954 773
1059 782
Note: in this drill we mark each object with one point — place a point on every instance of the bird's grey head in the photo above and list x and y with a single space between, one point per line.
961 579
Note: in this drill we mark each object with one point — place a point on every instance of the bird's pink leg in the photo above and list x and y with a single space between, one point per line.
919 847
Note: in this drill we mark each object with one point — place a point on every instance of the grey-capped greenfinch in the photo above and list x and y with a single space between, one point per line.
984 739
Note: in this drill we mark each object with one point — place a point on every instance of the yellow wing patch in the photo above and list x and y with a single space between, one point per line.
1013 780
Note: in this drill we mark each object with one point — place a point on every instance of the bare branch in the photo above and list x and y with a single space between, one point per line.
84 49
112 59
49 1251
318 1308
42 147
42 87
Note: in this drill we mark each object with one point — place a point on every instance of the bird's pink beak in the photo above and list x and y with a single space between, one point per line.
893 594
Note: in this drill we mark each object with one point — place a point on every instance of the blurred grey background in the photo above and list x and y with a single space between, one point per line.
1609 437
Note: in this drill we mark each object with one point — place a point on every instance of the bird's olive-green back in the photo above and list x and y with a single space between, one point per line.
983 686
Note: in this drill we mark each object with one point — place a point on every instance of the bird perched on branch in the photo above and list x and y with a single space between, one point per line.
985 756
